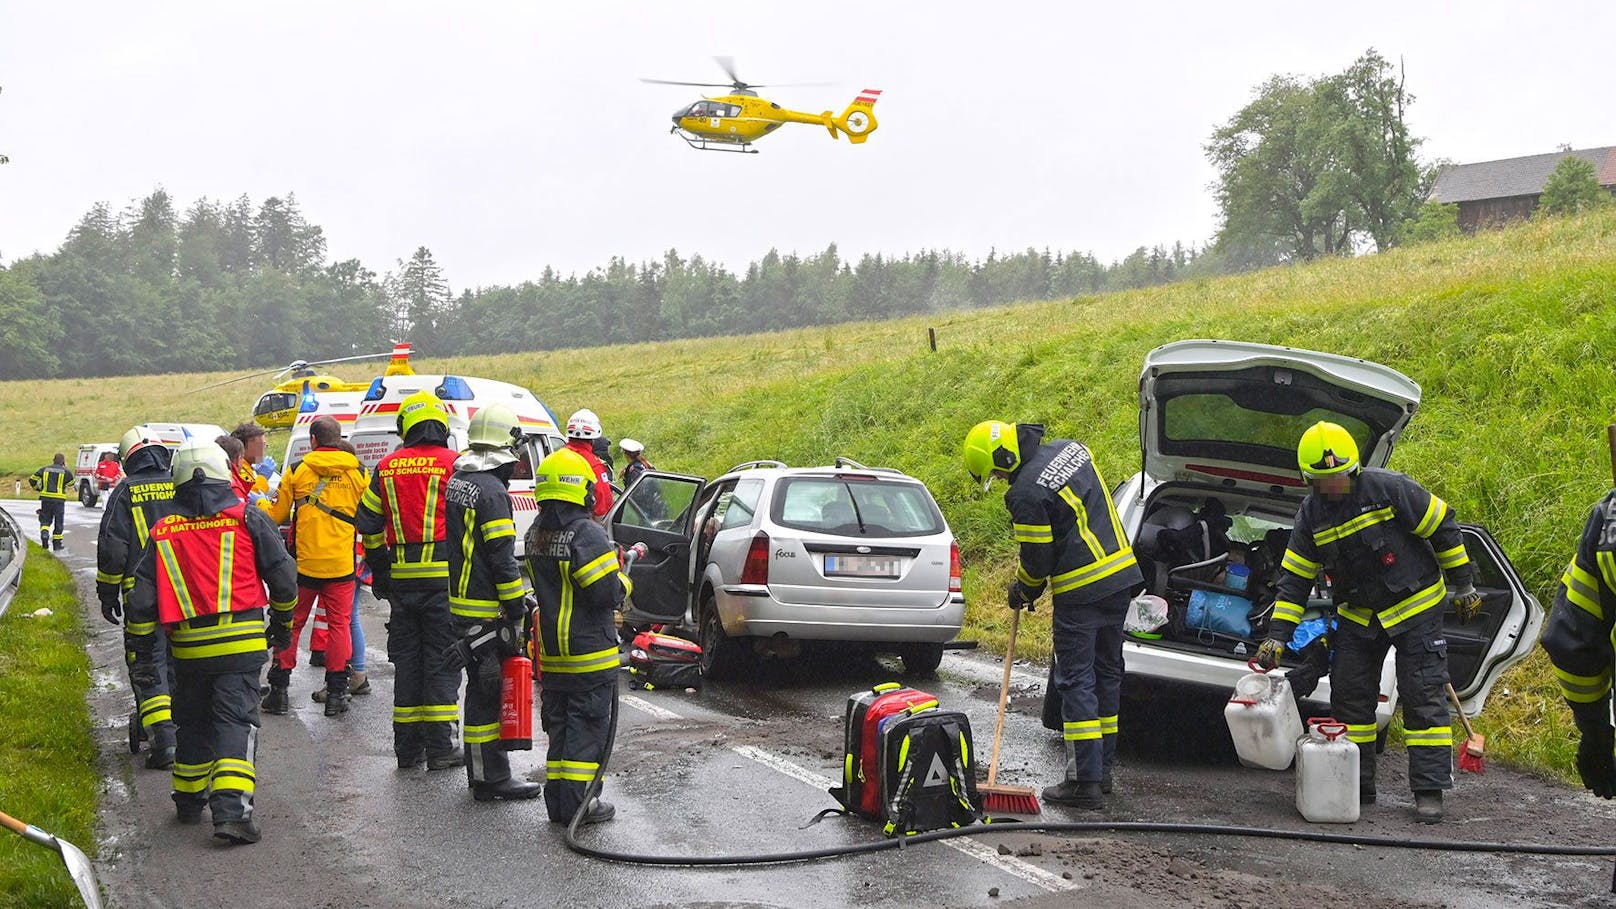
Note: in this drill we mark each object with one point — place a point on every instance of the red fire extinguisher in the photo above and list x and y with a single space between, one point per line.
516 704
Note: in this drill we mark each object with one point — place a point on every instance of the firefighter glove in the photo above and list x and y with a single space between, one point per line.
381 584
458 655
1595 763
280 634
1269 652
1466 603
111 607
491 678
1022 596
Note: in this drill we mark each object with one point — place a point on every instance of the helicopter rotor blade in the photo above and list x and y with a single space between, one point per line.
727 64
294 365
697 84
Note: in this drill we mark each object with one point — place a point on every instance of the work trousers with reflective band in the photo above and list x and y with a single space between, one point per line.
1422 678
335 596
50 513
320 634
217 714
155 705
425 690
1088 678
486 760
578 723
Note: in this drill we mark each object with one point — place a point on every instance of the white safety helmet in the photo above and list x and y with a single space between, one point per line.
200 454
631 446
133 441
583 424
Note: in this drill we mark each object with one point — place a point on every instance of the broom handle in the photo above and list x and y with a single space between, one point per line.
1004 696
12 824
1453 696
1610 433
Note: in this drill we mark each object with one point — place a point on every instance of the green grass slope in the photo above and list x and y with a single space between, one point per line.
1508 333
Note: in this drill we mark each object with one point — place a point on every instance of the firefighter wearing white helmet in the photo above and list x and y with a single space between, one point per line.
134 507
578 583
583 432
202 581
486 592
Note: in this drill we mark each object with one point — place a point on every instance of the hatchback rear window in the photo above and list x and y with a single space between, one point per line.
872 508
1206 420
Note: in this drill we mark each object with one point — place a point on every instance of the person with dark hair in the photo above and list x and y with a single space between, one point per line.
254 444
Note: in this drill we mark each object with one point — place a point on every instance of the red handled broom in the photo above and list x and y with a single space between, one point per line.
997 799
1472 757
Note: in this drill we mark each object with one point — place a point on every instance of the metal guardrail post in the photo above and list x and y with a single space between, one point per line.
12 550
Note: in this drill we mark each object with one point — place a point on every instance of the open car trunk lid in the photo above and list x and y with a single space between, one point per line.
1230 413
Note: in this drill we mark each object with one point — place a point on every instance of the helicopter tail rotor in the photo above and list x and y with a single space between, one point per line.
858 120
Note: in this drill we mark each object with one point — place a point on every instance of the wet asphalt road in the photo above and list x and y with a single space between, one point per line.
740 769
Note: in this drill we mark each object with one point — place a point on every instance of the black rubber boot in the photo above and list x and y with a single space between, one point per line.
1072 794
445 761
277 702
336 693
238 833
599 812
44 539
509 789
1428 806
188 813
160 758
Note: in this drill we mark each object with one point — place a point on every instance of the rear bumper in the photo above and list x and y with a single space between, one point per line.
752 610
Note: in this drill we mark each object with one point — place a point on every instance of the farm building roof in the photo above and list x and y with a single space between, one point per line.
1515 176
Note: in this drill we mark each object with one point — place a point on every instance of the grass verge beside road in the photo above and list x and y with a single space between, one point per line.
48 772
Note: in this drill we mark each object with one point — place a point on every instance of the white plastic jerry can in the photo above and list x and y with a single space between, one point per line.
1327 773
1263 720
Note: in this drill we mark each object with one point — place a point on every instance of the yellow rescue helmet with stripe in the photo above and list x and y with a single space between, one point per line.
1326 449
564 476
991 445
423 405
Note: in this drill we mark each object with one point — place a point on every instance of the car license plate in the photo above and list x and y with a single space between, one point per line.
861 566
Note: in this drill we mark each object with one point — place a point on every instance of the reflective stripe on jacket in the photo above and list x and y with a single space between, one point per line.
1578 634
404 509
135 506
483 573
53 482
577 581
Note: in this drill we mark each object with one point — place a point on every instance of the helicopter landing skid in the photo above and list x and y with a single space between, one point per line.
701 144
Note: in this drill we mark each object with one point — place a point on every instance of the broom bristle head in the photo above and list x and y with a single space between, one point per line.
1009 800
1472 755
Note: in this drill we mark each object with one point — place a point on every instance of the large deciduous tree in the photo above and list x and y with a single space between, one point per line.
1572 187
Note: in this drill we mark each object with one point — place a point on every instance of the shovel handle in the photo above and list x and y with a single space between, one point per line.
12 824
1004 696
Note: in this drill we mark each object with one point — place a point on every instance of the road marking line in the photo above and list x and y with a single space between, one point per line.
661 713
974 848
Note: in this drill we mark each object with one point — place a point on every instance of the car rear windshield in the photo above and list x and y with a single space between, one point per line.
1199 419
856 507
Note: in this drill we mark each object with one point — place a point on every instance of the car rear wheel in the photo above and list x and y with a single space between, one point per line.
921 659
87 496
722 657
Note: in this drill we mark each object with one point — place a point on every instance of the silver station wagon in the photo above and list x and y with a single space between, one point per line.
767 556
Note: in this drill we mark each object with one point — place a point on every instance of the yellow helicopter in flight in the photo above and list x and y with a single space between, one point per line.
278 408
732 122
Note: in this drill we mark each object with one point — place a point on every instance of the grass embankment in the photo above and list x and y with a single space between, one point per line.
47 757
1507 333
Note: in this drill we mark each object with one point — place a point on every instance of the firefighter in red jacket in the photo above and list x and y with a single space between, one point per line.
202 579
578 583
583 428
401 518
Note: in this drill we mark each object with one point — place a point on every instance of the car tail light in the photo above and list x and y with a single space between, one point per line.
953 567
756 569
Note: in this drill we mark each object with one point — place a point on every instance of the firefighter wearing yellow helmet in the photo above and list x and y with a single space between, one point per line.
1071 542
1385 544
402 521
578 581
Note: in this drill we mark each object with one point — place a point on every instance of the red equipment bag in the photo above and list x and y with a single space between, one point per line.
909 764
663 661
860 791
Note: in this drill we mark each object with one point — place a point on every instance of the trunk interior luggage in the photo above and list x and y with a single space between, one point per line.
908 763
663 661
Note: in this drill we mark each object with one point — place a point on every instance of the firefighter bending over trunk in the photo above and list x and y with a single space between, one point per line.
1385 543
136 505
1071 542
1578 641
485 590
578 582
202 579
54 482
401 518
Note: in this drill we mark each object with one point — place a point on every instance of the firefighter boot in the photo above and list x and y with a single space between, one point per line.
160 758
599 812
238 833
336 698
447 761
277 702
1073 793
508 789
44 539
1428 806
1366 776
316 658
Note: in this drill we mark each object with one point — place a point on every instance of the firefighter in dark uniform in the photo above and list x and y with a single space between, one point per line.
485 589
202 578
136 505
579 584
1578 641
54 483
1071 542
401 518
1385 543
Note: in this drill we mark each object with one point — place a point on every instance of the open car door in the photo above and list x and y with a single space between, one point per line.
657 511
1502 635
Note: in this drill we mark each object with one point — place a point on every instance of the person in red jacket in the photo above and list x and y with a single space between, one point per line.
583 428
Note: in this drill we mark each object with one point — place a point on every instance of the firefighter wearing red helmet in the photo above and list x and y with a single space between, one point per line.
401 519
202 580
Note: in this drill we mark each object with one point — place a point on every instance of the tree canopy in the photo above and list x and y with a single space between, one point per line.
1572 187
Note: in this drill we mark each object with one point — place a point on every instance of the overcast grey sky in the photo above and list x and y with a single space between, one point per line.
510 136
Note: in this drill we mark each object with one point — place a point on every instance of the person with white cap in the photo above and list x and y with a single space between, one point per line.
637 464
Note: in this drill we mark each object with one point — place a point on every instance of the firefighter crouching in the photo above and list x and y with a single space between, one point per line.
202 579
136 505
54 483
486 593
1578 641
401 518
1385 543
578 583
